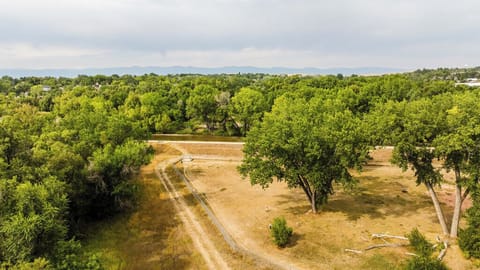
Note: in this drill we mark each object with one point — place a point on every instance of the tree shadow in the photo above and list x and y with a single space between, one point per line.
294 239
377 199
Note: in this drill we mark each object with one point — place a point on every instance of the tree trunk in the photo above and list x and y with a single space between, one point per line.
438 209
313 202
456 211
458 205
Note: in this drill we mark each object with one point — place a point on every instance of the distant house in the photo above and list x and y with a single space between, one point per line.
472 82
46 88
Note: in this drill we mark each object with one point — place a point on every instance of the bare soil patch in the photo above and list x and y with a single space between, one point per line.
386 200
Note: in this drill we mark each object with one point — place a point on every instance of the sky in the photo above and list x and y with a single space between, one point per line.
407 34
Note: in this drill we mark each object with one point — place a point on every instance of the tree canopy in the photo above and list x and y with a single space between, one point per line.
309 144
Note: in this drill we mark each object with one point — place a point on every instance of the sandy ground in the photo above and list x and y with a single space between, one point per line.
386 201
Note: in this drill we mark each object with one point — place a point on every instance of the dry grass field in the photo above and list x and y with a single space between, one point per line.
386 200
151 236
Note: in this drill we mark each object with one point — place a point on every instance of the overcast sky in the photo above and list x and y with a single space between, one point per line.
212 33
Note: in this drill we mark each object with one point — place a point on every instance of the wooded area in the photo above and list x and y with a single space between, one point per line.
70 147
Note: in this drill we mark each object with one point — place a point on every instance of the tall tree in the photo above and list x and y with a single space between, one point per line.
247 107
306 143
445 127
202 104
459 147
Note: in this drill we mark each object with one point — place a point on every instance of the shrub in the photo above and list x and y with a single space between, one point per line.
425 263
424 251
281 233
469 241
420 244
469 238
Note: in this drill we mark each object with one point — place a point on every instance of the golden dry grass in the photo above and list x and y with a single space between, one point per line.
151 236
386 200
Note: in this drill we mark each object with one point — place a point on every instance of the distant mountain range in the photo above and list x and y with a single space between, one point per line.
136 70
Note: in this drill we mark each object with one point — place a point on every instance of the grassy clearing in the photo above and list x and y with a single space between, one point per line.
151 236
386 200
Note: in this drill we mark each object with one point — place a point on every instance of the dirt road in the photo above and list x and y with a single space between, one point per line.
200 238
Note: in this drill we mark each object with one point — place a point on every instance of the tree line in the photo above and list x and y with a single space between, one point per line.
71 146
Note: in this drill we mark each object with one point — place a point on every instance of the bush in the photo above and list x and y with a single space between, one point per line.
420 244
424 250
425 263
469 239
281 233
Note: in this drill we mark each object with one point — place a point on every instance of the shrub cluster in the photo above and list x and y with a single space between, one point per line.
281 233
469 238
424 250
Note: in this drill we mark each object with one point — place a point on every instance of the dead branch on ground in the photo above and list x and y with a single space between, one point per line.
354 251
381 235
443 251
385 245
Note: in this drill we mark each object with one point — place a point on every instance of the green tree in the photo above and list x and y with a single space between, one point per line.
202 105
444 127
306 143
458 146
247 107
36 221
411 128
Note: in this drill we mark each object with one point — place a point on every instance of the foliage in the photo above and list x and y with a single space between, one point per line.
247 107
308 144
70 147
469 238
280 232
425 263
424 251
202 105
68 256
420 244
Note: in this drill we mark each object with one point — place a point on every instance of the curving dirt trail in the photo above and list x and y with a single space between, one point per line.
200 238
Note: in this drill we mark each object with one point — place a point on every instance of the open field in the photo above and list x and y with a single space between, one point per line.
385 201
155 237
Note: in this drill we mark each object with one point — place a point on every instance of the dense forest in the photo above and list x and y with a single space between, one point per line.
70 147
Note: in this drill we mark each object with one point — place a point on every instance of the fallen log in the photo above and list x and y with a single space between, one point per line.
385 245
354 251
381 235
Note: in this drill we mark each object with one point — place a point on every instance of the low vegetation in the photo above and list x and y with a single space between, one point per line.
70 148
422 258
281 233
469 238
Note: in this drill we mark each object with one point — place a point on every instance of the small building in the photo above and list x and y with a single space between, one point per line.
472 82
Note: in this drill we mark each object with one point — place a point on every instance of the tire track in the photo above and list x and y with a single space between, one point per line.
200 239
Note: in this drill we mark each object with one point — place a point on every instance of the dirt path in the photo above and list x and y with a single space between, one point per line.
238 244
200 238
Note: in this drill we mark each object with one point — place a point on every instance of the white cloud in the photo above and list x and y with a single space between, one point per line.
391 33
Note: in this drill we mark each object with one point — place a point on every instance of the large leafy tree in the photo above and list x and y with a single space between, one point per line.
459 147
444 127
309 144
247 107
202 104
